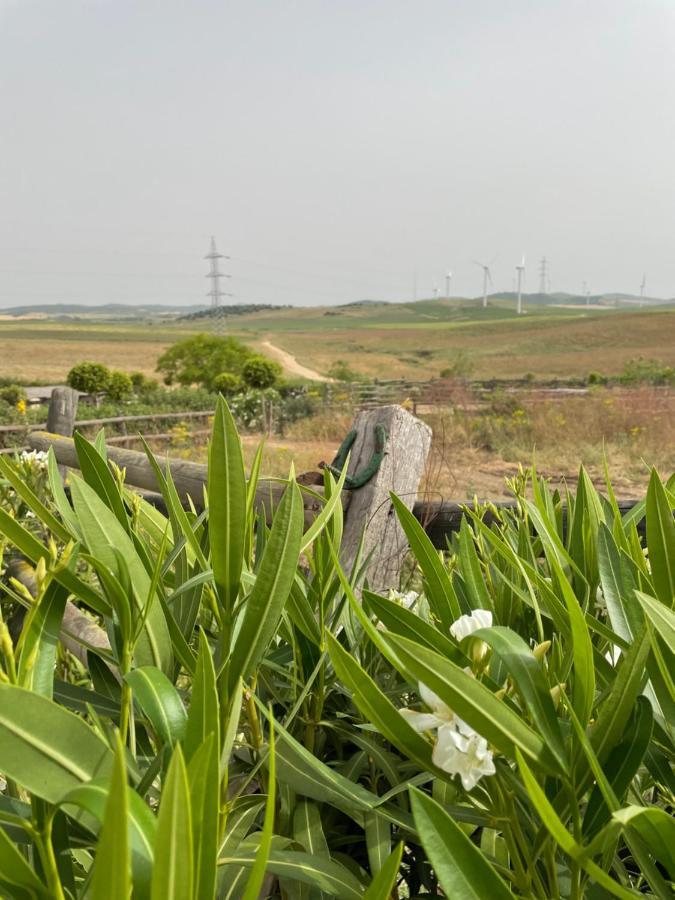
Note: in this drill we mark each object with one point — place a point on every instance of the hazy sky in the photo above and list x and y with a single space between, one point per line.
333 147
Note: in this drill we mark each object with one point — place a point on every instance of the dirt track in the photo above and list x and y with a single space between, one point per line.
290 363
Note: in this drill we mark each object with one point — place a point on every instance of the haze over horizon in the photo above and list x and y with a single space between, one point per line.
336 151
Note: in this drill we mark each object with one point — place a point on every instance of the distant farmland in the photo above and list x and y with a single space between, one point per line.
414 341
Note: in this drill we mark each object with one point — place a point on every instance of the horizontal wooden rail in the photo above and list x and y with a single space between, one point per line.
440 519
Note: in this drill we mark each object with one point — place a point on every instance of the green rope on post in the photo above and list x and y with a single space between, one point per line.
352 482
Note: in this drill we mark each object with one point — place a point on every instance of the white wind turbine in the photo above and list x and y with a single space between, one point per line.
521 271
448 279
486 278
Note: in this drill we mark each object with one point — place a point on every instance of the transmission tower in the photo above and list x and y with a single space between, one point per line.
215 275
543 276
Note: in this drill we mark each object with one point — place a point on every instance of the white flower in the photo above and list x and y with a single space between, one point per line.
34 457
466 625
459 750
462 751
440 714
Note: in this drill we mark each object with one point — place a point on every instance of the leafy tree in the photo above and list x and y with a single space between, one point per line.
260 372
89 377
120 386
199 359
227 384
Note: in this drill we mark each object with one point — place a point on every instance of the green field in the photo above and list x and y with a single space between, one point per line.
411 340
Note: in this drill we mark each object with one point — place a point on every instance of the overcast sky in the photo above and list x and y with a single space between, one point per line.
333 147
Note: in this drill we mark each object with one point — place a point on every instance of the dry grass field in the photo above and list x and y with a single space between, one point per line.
414 341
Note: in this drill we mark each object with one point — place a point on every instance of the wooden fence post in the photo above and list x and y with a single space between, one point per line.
370 511
62 411
61 415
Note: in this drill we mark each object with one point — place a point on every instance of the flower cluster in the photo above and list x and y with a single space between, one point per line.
459 750
36 458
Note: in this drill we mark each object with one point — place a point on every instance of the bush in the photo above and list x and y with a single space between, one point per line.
120 386
341 371
227 384
12 394
461 367
501 726
597 378
260 372
89 377
200 359
647 371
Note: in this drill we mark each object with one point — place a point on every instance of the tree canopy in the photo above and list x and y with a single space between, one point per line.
200 359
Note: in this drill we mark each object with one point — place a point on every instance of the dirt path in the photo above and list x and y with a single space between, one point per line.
290 363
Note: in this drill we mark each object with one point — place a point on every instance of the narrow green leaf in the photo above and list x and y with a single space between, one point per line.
562 837
656 827
621 766
111 879
87 804
662 618
204 713
40 639
375 706
204 784
529 680
461 869
32 501
106 539
227 505
470 700
661 540
257 876
45 748
98 476
263 607
308 830
383 884
16 876
172 877
582 649
160 702
378 841
479 596
324 874
440 592
32 549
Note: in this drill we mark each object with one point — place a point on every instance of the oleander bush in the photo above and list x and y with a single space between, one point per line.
261 724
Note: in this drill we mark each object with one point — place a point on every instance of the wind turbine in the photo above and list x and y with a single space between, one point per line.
521 271
486 278
643 285
448 279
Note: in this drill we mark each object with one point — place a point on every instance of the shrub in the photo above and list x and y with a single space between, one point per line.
227 384
341 371
500 727
260 373
597 378
12 394
200 359
89 377
647 371
461 366
120 386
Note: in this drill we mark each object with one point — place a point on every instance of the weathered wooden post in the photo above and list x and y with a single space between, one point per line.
370 511
61 415
62 411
